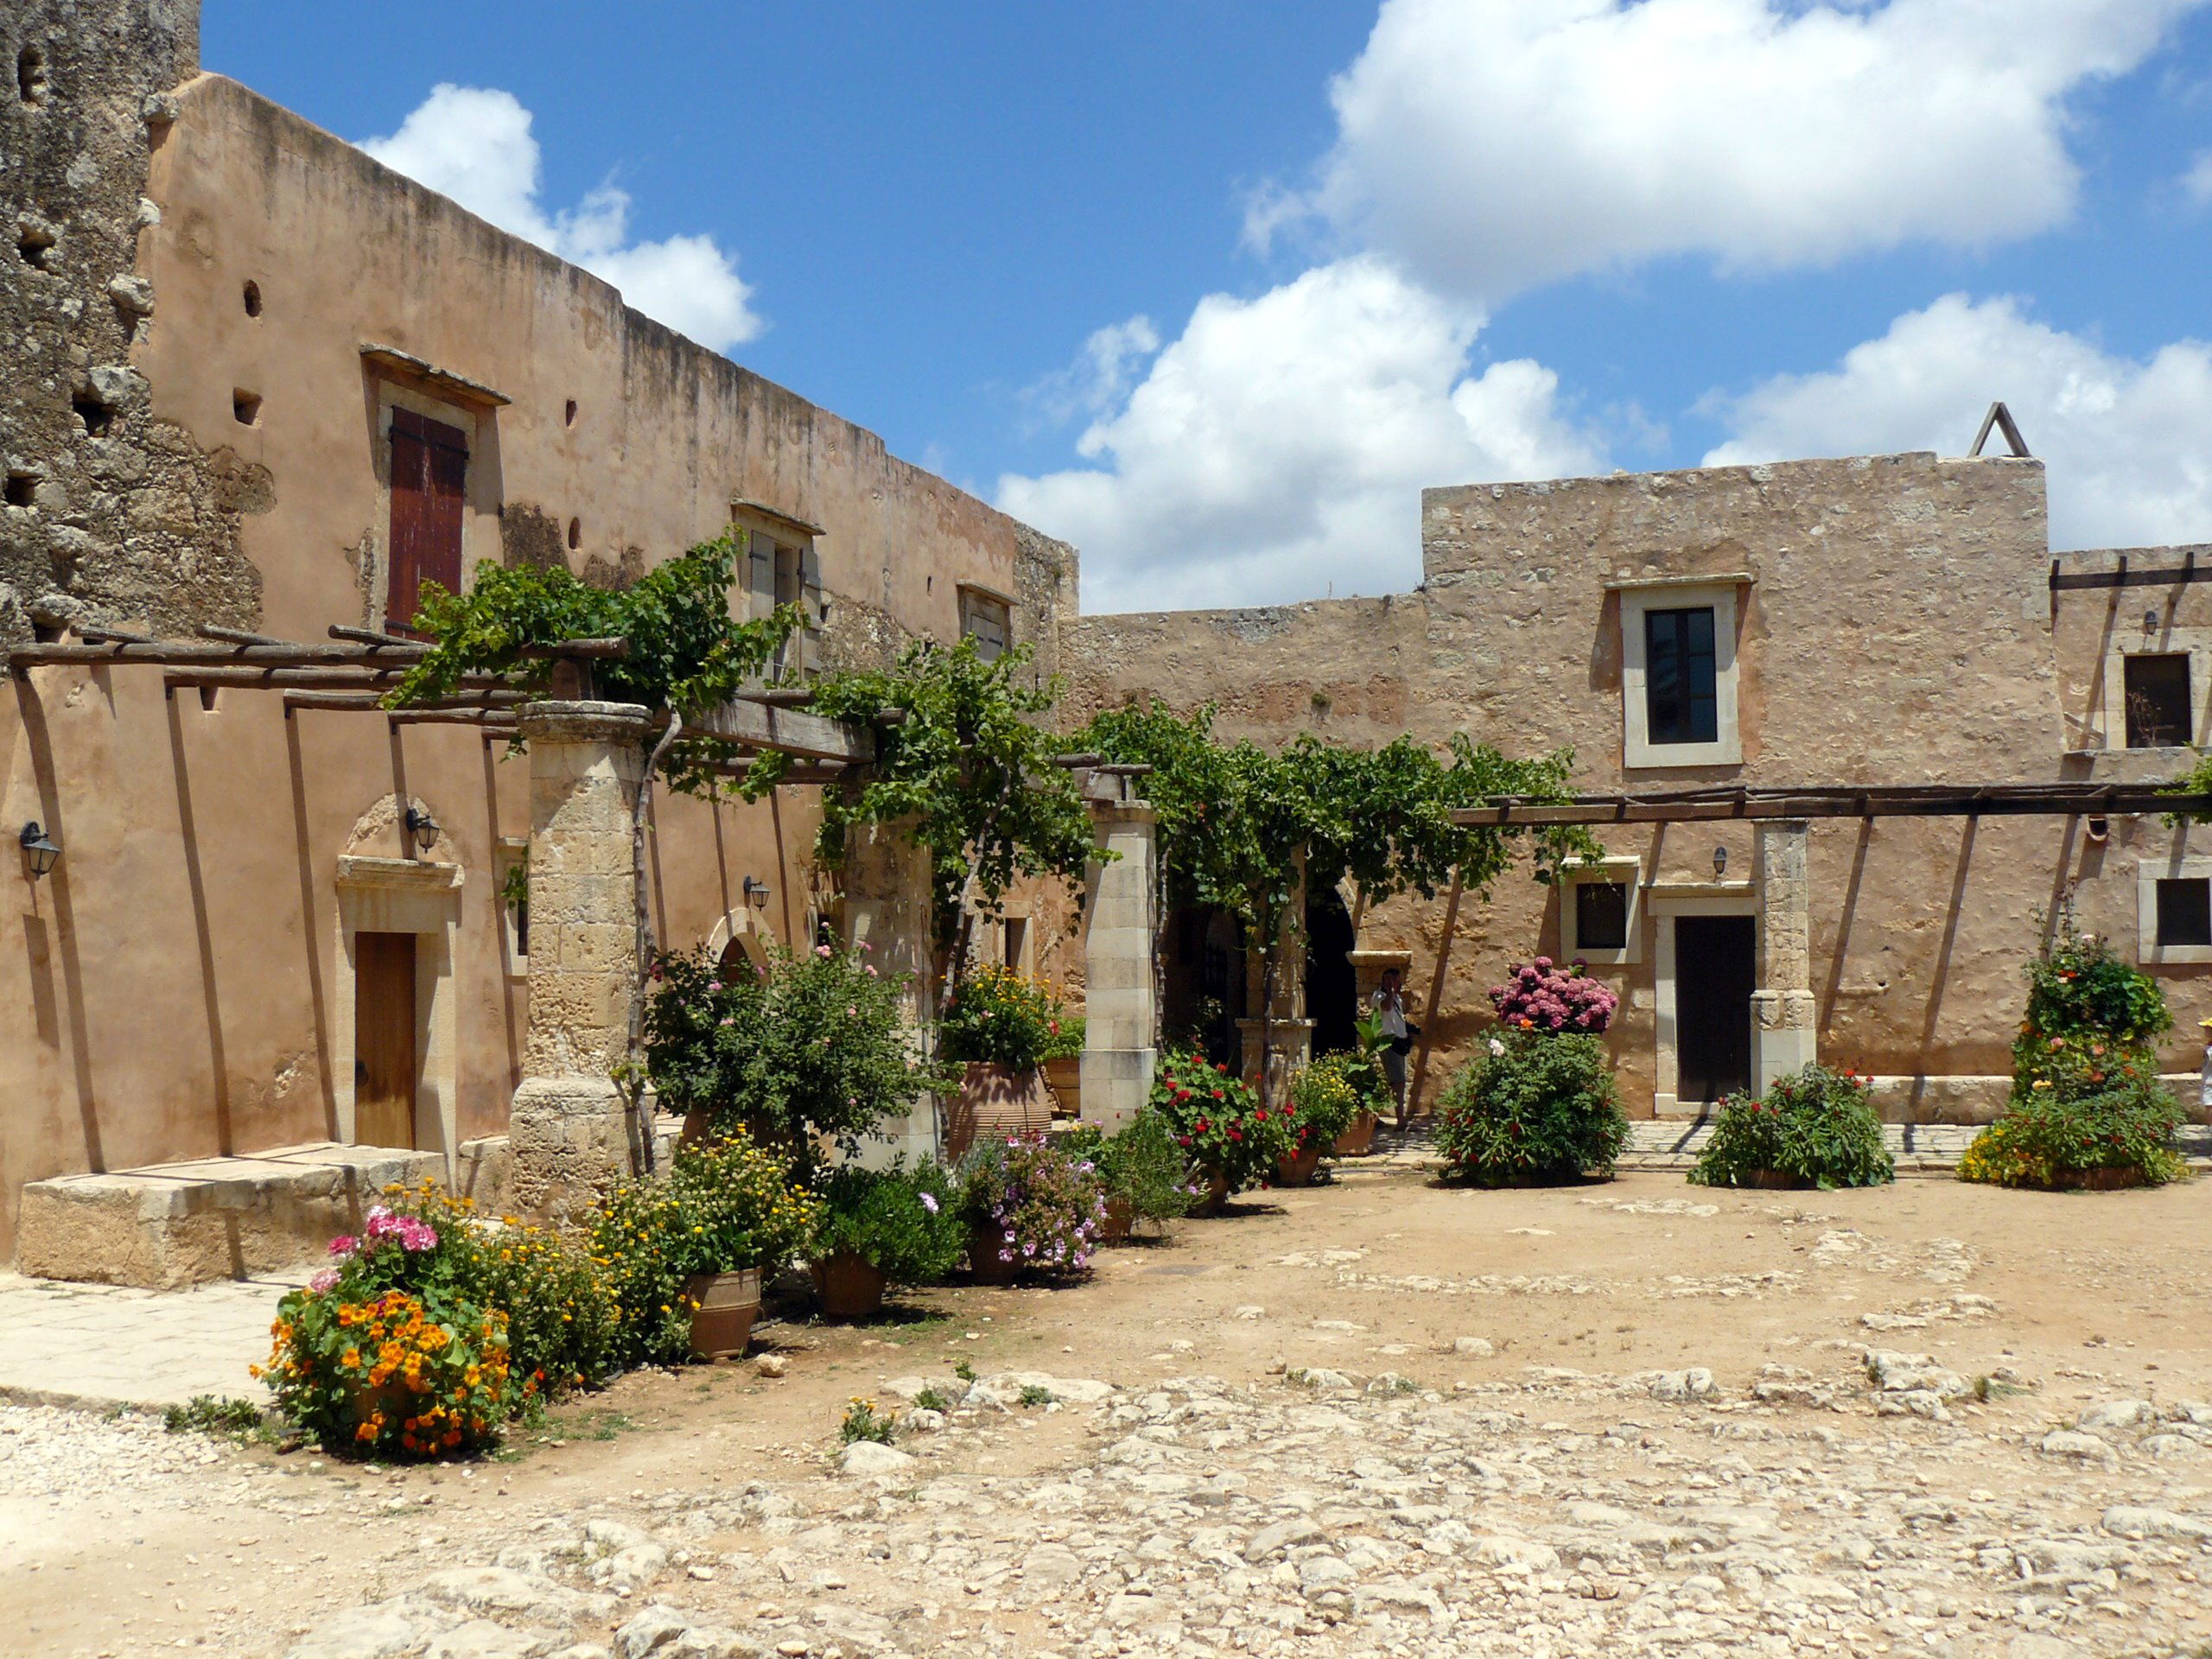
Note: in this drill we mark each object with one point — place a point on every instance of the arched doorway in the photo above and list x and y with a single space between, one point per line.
1331 982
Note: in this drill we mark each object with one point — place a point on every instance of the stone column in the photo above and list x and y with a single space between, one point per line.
1783 1021
886 882
567 1133
1120 936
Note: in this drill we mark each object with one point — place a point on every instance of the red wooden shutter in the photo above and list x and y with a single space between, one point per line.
429 470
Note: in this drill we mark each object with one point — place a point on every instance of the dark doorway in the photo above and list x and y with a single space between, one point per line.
1202 971
1715 972
384 1039
1331 984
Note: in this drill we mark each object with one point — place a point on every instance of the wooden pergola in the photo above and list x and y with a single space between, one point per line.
1837 801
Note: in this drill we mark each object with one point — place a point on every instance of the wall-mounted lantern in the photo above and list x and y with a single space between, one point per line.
40 851
424 827
756 892
1719 862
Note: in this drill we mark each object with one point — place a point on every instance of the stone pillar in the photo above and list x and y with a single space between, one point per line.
887 906
1120 936
1784 1020
567 1133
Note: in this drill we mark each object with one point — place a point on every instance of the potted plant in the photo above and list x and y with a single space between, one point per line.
1032 1209
688 1254
1217 1119
1324 1103
1146 1174
998 1029
1370 1082
807 1053
1063 1064
1815 1128
1534 1107
876 1228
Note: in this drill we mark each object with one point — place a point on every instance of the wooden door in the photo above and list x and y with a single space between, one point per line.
430 469
1715 971
384 1039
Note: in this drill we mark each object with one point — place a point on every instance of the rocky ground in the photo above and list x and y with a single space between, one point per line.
1380 1419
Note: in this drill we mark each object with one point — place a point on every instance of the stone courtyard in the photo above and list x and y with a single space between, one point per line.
1379 1417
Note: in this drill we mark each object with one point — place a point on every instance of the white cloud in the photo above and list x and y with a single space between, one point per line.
475 144
2196 183
2124 440
1490 145
1101 371
1281 444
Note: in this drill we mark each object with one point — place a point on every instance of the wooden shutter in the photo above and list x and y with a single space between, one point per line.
429 474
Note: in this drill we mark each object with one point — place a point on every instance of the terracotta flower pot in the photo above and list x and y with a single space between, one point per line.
1121 1215
1776 1180
1357 1141
724 1306
994 1100
1215 1197
1298 1168
1065 1079
983 1263
2113 1178
848 1285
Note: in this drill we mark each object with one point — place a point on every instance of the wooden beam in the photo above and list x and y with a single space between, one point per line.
329 678
187 653
759 725
485 700
1844 801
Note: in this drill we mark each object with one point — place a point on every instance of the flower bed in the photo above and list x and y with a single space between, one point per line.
1815 1128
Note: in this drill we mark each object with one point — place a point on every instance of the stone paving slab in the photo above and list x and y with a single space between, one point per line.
103 1346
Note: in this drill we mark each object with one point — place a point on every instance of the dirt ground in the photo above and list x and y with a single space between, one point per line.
1478 1422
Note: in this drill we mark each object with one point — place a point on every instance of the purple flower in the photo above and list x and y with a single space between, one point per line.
928 1202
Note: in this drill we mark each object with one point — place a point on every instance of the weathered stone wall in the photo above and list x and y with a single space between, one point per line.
111 512
1897 627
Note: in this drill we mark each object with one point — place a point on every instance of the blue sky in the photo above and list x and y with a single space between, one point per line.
1212 290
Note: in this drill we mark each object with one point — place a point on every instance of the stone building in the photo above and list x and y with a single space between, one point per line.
1895 619
257 380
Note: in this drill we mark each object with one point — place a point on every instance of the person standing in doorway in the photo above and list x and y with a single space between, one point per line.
1389 1003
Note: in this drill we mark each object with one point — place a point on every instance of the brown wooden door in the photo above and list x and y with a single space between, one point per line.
1715 971
430 469
384 1039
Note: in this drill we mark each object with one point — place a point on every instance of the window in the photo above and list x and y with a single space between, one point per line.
986 619
2157 701
1681 684
1601 909
778 572
1017 941
1601 915
429 470
513 863
1678 670
2185 910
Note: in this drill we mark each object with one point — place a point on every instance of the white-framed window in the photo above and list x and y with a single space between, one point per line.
1678 672
1601 909
987 618
2173 906
2156 688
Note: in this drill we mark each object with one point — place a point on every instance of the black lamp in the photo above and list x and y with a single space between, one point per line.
40 851
1719 862
425 828
756 892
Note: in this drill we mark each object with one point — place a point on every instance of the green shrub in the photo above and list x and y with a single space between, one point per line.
1325 1098
1140 1165
2049 1136
1003 1018
1815 1125
725 1206
2081 994
1034 1205
1535 1106
905 1224
211 1413
1217 1119
389 1374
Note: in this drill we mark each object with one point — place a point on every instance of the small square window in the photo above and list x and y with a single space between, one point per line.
987 620
1601 916
2185 911
2156 689
1681 676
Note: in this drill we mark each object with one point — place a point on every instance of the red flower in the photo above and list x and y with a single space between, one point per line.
1236 1135
1202 1126
1260 1118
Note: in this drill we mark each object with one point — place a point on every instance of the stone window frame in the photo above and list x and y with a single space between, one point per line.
1638 597
510 852
1623 869
2179 867
479 529
2194 643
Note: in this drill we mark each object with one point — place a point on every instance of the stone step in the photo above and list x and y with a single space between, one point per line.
184 1223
